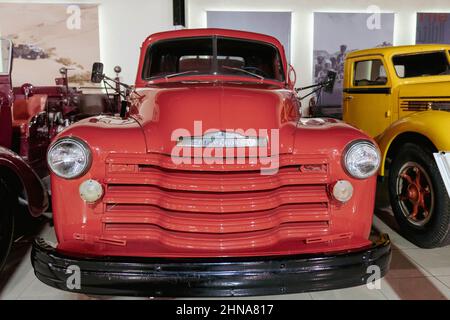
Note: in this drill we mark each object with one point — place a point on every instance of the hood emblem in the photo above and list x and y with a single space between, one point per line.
222 139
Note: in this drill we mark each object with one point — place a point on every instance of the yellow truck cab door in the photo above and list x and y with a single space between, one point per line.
367 90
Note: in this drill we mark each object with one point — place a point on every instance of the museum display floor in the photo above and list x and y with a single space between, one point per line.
415 273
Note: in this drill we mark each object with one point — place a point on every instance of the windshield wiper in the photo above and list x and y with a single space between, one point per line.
181 74
244 71
445 73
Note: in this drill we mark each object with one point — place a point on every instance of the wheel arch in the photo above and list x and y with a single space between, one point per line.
19 176
428 127
400 139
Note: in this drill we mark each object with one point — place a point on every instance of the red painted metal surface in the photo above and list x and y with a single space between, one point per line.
153 207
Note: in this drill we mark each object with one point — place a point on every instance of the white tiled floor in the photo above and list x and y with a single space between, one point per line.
415 274
435 261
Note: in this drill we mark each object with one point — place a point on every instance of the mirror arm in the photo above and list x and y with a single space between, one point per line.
310 94
117 82
123 103
321 85
115 89
126 86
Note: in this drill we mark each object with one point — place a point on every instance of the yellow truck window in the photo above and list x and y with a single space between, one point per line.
369 73
421 64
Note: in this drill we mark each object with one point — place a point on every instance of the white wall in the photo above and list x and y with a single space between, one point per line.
124 24
303 21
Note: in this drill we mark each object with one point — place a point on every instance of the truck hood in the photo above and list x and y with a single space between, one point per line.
433 87
168 113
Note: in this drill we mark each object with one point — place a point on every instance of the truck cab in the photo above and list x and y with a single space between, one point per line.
400 97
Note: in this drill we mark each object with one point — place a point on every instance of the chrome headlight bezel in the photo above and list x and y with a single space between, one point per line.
349 151
78 143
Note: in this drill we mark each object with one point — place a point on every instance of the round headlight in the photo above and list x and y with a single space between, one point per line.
69 158
362 159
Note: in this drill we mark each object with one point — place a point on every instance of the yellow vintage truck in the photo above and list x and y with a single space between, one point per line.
401 97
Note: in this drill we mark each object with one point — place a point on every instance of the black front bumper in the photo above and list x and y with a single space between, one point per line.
211 277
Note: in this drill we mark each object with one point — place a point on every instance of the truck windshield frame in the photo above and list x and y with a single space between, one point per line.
5 56
421 64
213 55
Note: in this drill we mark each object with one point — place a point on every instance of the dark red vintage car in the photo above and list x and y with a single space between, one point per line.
30 117
211 184
16 174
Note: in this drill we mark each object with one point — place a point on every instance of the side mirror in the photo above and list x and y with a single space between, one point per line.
331 76
97 72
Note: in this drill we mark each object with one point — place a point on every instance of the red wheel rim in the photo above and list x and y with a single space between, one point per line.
415 194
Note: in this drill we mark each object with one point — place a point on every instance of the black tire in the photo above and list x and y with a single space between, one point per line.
6 222
429 227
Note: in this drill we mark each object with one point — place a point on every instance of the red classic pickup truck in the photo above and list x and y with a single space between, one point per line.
210 183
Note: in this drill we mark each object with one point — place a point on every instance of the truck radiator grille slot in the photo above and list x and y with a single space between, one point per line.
121 217
214 202
219 181
320 226
229 241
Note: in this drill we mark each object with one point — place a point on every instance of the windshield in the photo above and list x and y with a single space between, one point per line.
212 55
422 64
5 56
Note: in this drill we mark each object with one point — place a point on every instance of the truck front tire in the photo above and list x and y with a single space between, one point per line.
6 222
419 198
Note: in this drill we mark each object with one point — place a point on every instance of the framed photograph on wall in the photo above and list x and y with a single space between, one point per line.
276 24
433 28
337 34
48 37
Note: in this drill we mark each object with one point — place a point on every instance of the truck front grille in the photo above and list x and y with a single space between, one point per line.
217 208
